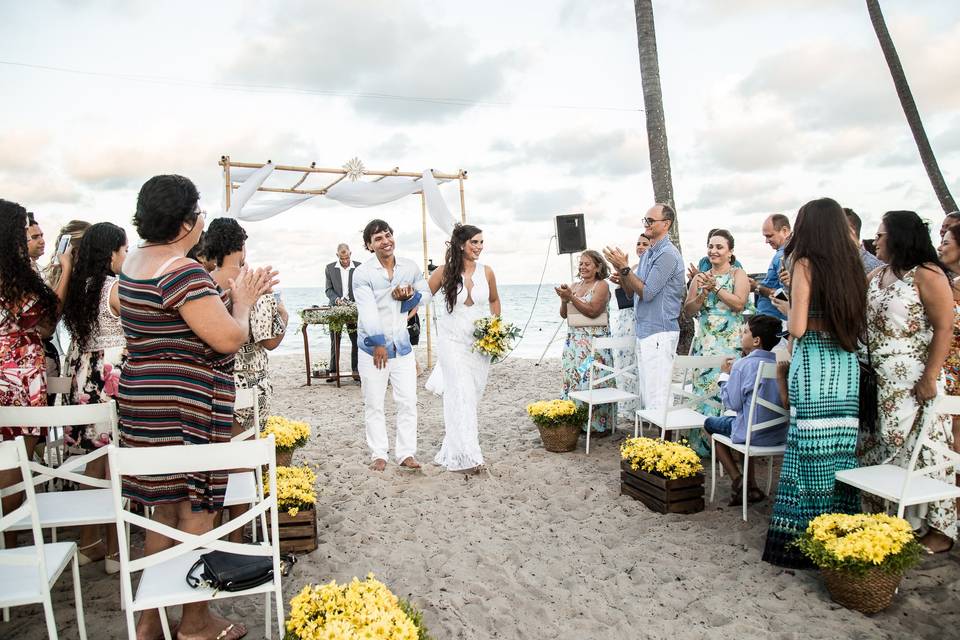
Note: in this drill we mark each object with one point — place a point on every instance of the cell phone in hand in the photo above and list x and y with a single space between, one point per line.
62 245
780 294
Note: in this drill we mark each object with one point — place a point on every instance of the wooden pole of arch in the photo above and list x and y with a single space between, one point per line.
228 185
426 274
463 206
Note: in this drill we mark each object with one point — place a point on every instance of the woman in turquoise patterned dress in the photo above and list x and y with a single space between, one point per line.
717 298
585 302
826 317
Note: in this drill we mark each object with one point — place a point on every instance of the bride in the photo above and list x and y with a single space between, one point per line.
461 375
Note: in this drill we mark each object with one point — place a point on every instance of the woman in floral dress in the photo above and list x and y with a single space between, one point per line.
27 315
910 318
586 298
717 298
91 313
950 256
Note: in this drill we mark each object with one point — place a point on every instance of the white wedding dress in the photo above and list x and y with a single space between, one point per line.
461 374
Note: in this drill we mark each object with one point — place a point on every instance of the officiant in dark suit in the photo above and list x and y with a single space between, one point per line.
339 290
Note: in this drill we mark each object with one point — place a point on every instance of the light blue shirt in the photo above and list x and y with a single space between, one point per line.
772 281
658 309
737 393
382 321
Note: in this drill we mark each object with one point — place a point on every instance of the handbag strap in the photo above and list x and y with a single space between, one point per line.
192 580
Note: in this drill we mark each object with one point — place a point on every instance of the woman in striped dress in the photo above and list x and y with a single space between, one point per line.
826 317
177 384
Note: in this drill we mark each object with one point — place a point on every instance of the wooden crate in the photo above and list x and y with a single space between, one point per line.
298 534
684 495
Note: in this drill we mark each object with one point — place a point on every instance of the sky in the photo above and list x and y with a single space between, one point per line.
768 105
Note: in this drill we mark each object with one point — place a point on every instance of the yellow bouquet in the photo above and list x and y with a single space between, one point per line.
494 337
288 434
358 609
295 489
856 543
671 460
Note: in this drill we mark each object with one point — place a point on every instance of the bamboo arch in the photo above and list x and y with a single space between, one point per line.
353 170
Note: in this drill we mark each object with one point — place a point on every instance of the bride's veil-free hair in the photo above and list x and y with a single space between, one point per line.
452 281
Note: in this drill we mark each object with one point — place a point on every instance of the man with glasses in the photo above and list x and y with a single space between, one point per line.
776 232
657 287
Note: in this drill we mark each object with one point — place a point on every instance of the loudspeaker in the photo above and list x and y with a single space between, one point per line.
571 234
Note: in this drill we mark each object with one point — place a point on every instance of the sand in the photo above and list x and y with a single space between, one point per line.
541 546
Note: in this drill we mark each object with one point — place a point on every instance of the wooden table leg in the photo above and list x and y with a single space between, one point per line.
306 352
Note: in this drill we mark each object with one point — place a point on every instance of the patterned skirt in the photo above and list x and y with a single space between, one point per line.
824 387
175 402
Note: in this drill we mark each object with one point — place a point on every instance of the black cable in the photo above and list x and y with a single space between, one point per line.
536 299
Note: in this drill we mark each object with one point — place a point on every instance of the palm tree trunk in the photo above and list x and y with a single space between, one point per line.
653 105
909 107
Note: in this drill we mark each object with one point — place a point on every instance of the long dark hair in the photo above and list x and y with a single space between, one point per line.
908 242
90 271
19 283
452 281
838 286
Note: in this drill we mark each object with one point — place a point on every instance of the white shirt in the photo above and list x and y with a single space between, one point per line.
345 279
382 320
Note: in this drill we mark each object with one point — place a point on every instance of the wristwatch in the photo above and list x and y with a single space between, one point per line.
625 271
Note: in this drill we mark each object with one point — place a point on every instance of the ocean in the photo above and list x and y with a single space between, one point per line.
520 303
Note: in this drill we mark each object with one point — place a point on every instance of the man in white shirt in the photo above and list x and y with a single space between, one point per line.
339 277
386 288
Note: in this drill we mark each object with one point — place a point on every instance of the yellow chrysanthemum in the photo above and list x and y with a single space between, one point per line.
287 434
671 460
295 488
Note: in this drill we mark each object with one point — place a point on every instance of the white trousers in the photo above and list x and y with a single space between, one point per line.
655 363
401 373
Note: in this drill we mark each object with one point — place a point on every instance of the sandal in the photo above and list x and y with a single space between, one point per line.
84 558
111 563
226 632
754 495
736 493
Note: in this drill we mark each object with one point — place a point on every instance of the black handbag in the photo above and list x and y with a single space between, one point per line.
413 329
869 412
224 571
624 301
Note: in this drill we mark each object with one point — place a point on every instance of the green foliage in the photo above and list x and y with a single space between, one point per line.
416 616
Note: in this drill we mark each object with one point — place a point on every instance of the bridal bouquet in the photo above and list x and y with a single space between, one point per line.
358 609
494 337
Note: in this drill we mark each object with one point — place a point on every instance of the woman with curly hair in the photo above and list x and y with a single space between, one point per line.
28 311
469 290
91 313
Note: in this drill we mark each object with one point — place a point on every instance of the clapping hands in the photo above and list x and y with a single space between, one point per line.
616 257
250 284
565 292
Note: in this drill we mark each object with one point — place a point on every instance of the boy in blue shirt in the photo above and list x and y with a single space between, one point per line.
759 337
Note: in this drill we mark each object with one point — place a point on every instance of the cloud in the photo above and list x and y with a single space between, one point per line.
23 150
743 194
543 205
351 48
613 154
34 190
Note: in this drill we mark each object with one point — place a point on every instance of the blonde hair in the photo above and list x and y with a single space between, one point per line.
75 230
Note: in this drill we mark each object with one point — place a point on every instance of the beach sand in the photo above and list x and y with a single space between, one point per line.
541 545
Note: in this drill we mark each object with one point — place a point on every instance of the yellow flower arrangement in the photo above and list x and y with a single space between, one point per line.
288 434
494 337
859 542
553 413
295 488
671 460
359 609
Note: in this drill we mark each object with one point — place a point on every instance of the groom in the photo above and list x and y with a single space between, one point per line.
386 288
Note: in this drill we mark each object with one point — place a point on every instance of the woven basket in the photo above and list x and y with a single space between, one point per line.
869 593
560 439
284 458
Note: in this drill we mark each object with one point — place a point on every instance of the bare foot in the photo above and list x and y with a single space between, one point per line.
378 465
936 542
148 627
217 628
410 463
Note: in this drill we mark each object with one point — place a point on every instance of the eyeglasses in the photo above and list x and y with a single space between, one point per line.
648 222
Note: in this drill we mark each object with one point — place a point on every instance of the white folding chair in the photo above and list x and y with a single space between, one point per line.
58 509
243 487
55 453
606 395
28 573
766 371
912 486
162 581
678 414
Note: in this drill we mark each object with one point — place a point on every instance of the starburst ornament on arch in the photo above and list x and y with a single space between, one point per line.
355 169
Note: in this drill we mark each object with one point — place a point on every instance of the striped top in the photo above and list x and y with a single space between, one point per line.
658 309
151 318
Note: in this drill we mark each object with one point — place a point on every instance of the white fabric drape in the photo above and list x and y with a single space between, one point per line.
352 194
